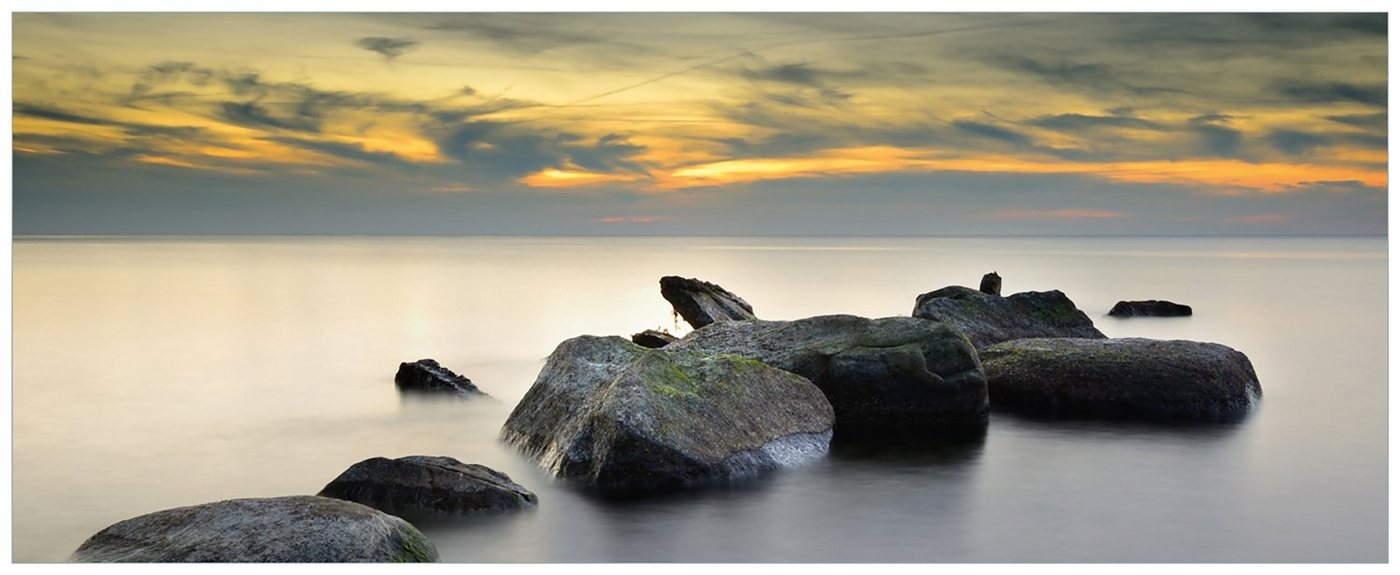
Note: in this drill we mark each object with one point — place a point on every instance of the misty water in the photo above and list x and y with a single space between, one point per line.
152 373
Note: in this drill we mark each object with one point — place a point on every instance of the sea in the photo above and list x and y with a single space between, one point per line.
158 372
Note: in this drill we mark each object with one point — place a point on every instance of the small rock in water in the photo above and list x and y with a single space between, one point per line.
653 339
702 303
1149 308
991 284
426 376
423 485
298 529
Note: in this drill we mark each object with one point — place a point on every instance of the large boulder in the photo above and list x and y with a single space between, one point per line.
880 375
420 485
701 303
607 413
299 529
426 376
1149 308
1127 378
987 319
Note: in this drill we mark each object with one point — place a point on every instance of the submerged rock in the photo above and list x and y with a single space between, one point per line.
1126 378
426 376
987 319
702 303
422 485
610 414
300 529
1149 308
654 339
991 284
889 374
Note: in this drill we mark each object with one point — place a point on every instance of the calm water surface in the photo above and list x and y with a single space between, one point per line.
156 373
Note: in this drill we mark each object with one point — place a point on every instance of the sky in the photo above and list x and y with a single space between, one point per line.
700 124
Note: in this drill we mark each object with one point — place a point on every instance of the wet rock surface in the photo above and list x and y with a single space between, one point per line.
300 529
1149 308
420 485
987 319
1128 378
881 375
425 376
701 303
612 415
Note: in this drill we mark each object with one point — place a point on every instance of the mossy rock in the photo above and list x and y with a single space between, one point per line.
610 414
298 529
882 376
987 319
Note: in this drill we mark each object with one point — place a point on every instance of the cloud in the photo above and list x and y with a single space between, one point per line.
389 48
1054 214
1327 92
800 74
1081 122
250 114
1092 77
1295 142
993 132
1372 121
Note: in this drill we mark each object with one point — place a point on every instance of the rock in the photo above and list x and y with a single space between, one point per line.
654 339
426 376
1152 307
890 374
991 284
702 303
299 529
622 418
1127 378
988 319
421 485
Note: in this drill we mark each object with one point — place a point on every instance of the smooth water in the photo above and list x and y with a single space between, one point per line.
152 373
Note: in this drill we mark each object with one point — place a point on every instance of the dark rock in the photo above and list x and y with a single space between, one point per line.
702 303
426 376
1151 308
991 284
654 339
613 415
420 485
988 319
1127 378
884 374
300 529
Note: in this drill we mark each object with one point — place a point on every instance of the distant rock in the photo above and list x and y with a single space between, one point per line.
885 375
654 339
426 376
300 529
991 284
613 415
1127 378
421 485
701 303
987 319
1149 308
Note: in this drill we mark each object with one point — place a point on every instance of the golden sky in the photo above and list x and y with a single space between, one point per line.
663 122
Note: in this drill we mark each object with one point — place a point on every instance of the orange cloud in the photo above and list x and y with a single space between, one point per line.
573 178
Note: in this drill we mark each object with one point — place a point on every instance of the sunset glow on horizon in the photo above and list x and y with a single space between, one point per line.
1204 123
